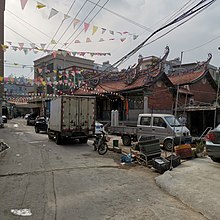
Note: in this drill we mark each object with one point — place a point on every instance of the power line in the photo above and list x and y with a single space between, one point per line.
71 22
88 22
28 24
123 17
190 12
61 23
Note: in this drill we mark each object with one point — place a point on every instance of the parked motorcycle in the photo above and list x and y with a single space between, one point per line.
100 143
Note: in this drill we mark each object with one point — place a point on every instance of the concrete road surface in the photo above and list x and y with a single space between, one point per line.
71 182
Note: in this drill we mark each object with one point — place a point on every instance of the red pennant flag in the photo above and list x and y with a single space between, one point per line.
86 26
23 3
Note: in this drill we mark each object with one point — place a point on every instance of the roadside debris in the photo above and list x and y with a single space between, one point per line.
21 212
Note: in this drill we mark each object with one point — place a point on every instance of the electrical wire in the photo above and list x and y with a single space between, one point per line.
28 24
61 23
197 47
188 13
127 19
88 22
71 23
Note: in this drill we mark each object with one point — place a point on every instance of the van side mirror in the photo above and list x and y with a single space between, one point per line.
164 125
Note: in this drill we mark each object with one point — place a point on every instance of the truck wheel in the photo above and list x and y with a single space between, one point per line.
83 140
37 130
49 135
168 145
126 140
59 139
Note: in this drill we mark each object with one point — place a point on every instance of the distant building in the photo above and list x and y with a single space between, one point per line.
50 68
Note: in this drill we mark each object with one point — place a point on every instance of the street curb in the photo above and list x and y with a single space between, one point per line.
4 148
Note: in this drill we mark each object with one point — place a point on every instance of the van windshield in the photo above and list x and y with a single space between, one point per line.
172 121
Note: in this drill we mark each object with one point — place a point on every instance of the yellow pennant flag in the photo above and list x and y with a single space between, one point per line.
53 41
94 29
1 78
40 5
43 83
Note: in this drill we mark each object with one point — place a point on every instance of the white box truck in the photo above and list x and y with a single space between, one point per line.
71 117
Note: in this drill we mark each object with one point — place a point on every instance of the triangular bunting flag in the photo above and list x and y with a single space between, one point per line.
21 45
88 40
66 16
94 29
23 3
75 22
111 32
33 45
77 41
123 39
9 42
86 26
54 54
35 51
53 41
39 70
25 51
40 5
53 12
42 46
101 39
103 30
135 37
4 47
64 53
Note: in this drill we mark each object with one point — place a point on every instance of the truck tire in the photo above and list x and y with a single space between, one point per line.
168 145
49 135
84 140
59 139
126 140
37 130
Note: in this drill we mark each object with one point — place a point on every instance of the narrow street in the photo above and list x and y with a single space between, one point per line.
73 182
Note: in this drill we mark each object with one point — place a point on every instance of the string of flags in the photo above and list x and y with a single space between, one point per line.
76 21
36 49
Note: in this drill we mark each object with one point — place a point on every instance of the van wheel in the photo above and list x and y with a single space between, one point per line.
168 145
126 140
215 159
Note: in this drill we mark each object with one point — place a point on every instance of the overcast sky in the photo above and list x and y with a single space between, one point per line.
196 38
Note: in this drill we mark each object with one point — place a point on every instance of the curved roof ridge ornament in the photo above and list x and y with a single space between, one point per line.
204 64
208 61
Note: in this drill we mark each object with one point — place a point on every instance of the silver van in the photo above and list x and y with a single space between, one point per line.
165 127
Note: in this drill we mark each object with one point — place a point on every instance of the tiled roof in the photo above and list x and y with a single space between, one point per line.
114 86
185 78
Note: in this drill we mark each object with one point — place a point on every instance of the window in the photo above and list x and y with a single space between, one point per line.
145 121
159 122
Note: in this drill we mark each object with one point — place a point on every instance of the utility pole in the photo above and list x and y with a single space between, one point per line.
2 9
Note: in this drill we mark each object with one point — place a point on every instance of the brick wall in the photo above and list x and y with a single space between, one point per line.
161 98
203 91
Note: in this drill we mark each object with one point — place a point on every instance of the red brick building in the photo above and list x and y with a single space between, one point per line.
146 88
